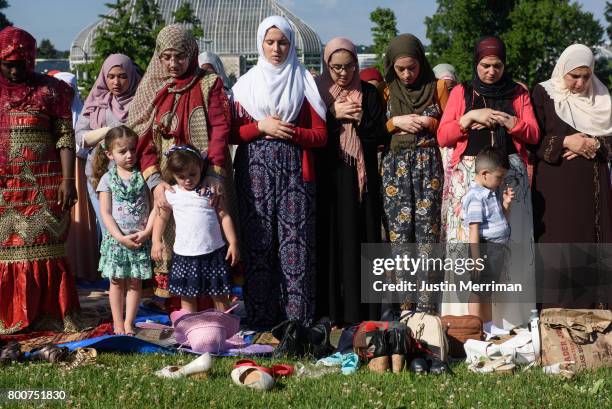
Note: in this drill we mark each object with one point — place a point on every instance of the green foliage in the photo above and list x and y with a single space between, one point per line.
541 30
128 31
458 24
385 28
535 33
46 49
608 16
4 22
186 15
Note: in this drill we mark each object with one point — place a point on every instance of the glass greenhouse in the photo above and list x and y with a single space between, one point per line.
230 30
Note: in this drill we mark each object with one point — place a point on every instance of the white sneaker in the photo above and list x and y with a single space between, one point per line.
252 377
196 368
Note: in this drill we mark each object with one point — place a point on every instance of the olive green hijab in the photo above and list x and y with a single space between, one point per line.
413 98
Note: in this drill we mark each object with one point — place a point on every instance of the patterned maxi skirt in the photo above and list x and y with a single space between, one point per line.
412 184
277 219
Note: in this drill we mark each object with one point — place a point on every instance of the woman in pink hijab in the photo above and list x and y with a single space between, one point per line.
349 201
106 106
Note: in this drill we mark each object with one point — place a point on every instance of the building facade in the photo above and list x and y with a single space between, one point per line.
230 30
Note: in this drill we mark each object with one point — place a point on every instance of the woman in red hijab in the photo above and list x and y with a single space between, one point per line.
36 191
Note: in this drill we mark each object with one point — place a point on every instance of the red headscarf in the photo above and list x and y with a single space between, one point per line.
369 74
36 93
15 45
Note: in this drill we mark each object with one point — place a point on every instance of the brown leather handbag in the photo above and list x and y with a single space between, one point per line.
460 328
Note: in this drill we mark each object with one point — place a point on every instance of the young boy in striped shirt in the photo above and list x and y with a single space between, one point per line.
485 217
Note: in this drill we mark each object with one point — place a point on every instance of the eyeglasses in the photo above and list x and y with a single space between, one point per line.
338 68
181 57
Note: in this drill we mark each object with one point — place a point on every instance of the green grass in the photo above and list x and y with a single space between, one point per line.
127 381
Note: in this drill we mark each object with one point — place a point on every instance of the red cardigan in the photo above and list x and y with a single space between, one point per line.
526 130
310 132
218 125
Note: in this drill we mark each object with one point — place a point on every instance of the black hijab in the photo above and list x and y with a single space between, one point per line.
497 96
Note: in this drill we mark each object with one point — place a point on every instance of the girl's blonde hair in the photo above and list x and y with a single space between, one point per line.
100 160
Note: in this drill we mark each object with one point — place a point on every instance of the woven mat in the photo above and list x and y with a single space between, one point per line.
163 337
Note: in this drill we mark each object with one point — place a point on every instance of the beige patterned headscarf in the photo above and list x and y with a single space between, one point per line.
142 110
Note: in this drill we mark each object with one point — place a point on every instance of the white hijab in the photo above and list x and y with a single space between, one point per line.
269 89
77 104
590 111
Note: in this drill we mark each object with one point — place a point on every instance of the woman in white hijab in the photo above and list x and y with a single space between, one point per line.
572 195
278 117
82 240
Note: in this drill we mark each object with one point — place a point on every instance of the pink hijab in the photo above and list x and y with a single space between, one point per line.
350 144
100 98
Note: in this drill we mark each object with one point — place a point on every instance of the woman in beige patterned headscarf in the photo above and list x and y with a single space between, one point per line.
179 103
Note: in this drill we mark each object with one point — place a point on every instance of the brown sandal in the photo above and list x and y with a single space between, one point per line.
82 357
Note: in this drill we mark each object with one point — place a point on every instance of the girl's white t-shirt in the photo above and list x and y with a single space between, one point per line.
198 230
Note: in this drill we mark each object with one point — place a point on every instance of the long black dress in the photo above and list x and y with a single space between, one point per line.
572 203
343 223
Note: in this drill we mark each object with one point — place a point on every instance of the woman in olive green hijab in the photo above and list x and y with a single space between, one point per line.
412 167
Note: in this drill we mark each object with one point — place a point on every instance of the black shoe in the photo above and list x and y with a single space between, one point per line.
439 368
419 366
378 351
290 334
318 339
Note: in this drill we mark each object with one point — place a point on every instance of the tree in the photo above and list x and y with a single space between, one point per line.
126 30
540 31
384 30
4 22
458 24
608 16
535 33
46 49
185 15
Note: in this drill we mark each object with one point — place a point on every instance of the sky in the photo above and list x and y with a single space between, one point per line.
62 20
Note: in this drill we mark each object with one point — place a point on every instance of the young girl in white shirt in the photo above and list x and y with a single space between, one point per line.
201 257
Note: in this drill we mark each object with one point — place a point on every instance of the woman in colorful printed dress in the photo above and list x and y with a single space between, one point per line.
36 191
278 117
412 168
491 109
349 203
176 103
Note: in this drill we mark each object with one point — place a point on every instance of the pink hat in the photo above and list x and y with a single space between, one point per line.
205 331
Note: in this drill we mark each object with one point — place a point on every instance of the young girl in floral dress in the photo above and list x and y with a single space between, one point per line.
126 209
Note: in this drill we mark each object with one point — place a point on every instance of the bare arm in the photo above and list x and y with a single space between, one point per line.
106 210
159 226
66 194
144 235
233 253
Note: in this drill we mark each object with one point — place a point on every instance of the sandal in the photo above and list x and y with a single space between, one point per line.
51 353
502 364
276 371
11 352
82 357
